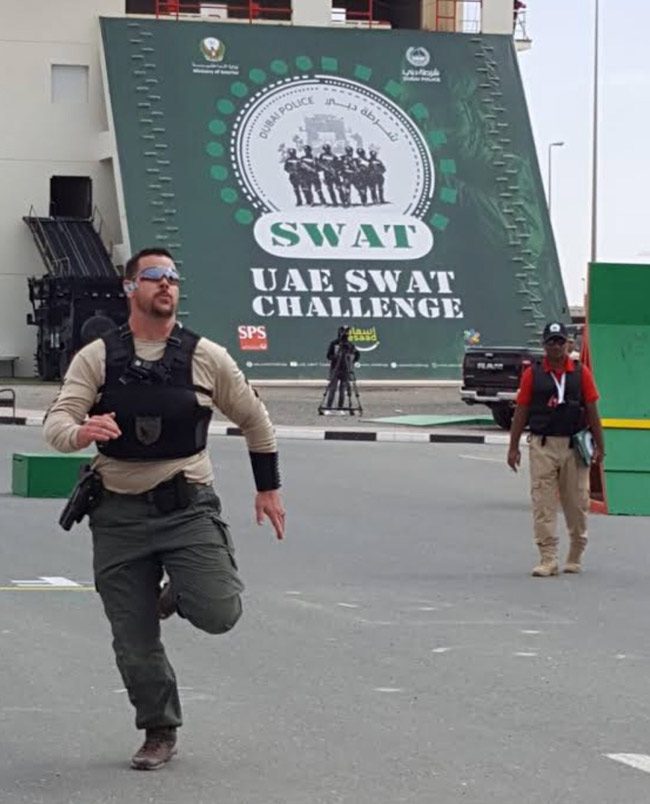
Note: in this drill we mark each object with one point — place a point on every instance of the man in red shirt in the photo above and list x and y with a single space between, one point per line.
557 399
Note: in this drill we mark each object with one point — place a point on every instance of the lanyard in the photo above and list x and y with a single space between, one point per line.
561 386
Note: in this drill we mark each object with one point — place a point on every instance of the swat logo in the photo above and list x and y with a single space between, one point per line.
337 170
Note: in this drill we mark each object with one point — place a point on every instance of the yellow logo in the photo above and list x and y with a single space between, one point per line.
364 339
213 49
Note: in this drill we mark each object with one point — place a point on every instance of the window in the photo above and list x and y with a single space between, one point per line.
71 197
69 83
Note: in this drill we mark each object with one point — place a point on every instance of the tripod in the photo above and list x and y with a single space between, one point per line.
342 375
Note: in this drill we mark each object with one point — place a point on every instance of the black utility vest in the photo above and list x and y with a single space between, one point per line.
561 420
155 402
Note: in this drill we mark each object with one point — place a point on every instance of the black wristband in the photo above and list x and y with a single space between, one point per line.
266 470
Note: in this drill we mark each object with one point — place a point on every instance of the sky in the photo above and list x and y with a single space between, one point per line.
558 79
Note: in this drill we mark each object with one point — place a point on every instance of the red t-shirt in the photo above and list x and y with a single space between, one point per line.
589 390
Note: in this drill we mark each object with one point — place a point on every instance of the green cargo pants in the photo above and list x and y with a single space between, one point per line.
132 544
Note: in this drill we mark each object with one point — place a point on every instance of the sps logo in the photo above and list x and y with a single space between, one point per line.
251 338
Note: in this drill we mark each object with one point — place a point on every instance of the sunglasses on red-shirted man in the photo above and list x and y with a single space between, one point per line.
157 272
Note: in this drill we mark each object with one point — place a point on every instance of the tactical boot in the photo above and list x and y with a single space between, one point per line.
166 601
573 564
544 569
548 562
157 749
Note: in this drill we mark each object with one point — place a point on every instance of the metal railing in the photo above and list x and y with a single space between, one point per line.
55 265
241 10
8 400
100 226
519 25
372 13
371 16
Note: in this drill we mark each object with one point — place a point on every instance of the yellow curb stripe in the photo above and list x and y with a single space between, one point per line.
47 588
626 424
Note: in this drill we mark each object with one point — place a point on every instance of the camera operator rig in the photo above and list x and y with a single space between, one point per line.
342 381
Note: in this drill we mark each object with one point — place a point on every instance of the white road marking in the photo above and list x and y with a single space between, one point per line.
388 689
427 608
482 623
29 583
292 592
47 580
496 439
527 631
525 653
638 761
440 650
55 581
307 604
621 655
348 605
482 458
197 696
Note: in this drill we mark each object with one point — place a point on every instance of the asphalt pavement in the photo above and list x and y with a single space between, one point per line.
393 649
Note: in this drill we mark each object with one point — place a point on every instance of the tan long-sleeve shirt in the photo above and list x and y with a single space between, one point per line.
212 368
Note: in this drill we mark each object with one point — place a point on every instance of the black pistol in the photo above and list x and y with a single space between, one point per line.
85 496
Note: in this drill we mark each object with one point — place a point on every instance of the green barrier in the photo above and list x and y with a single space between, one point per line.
619 350
46 474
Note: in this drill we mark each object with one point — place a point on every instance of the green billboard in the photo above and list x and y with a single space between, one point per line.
308 178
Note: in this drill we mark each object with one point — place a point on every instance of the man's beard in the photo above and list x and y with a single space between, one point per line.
155 310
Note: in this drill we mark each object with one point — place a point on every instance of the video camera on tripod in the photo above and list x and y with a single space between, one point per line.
342 356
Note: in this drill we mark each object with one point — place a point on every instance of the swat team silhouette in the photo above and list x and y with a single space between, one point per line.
340 174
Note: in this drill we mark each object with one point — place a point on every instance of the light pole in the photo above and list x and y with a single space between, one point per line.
550 170
594 157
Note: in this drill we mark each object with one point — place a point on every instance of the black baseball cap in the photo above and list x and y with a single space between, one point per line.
555 329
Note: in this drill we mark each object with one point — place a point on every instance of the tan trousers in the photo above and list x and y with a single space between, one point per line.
558 476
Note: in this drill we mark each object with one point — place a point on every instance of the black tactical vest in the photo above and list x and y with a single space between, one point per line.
561 420
155 402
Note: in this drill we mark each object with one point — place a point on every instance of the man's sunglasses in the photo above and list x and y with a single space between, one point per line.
556 340
157 272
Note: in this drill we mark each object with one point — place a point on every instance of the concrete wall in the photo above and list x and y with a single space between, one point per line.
497 16
39 139
312 12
